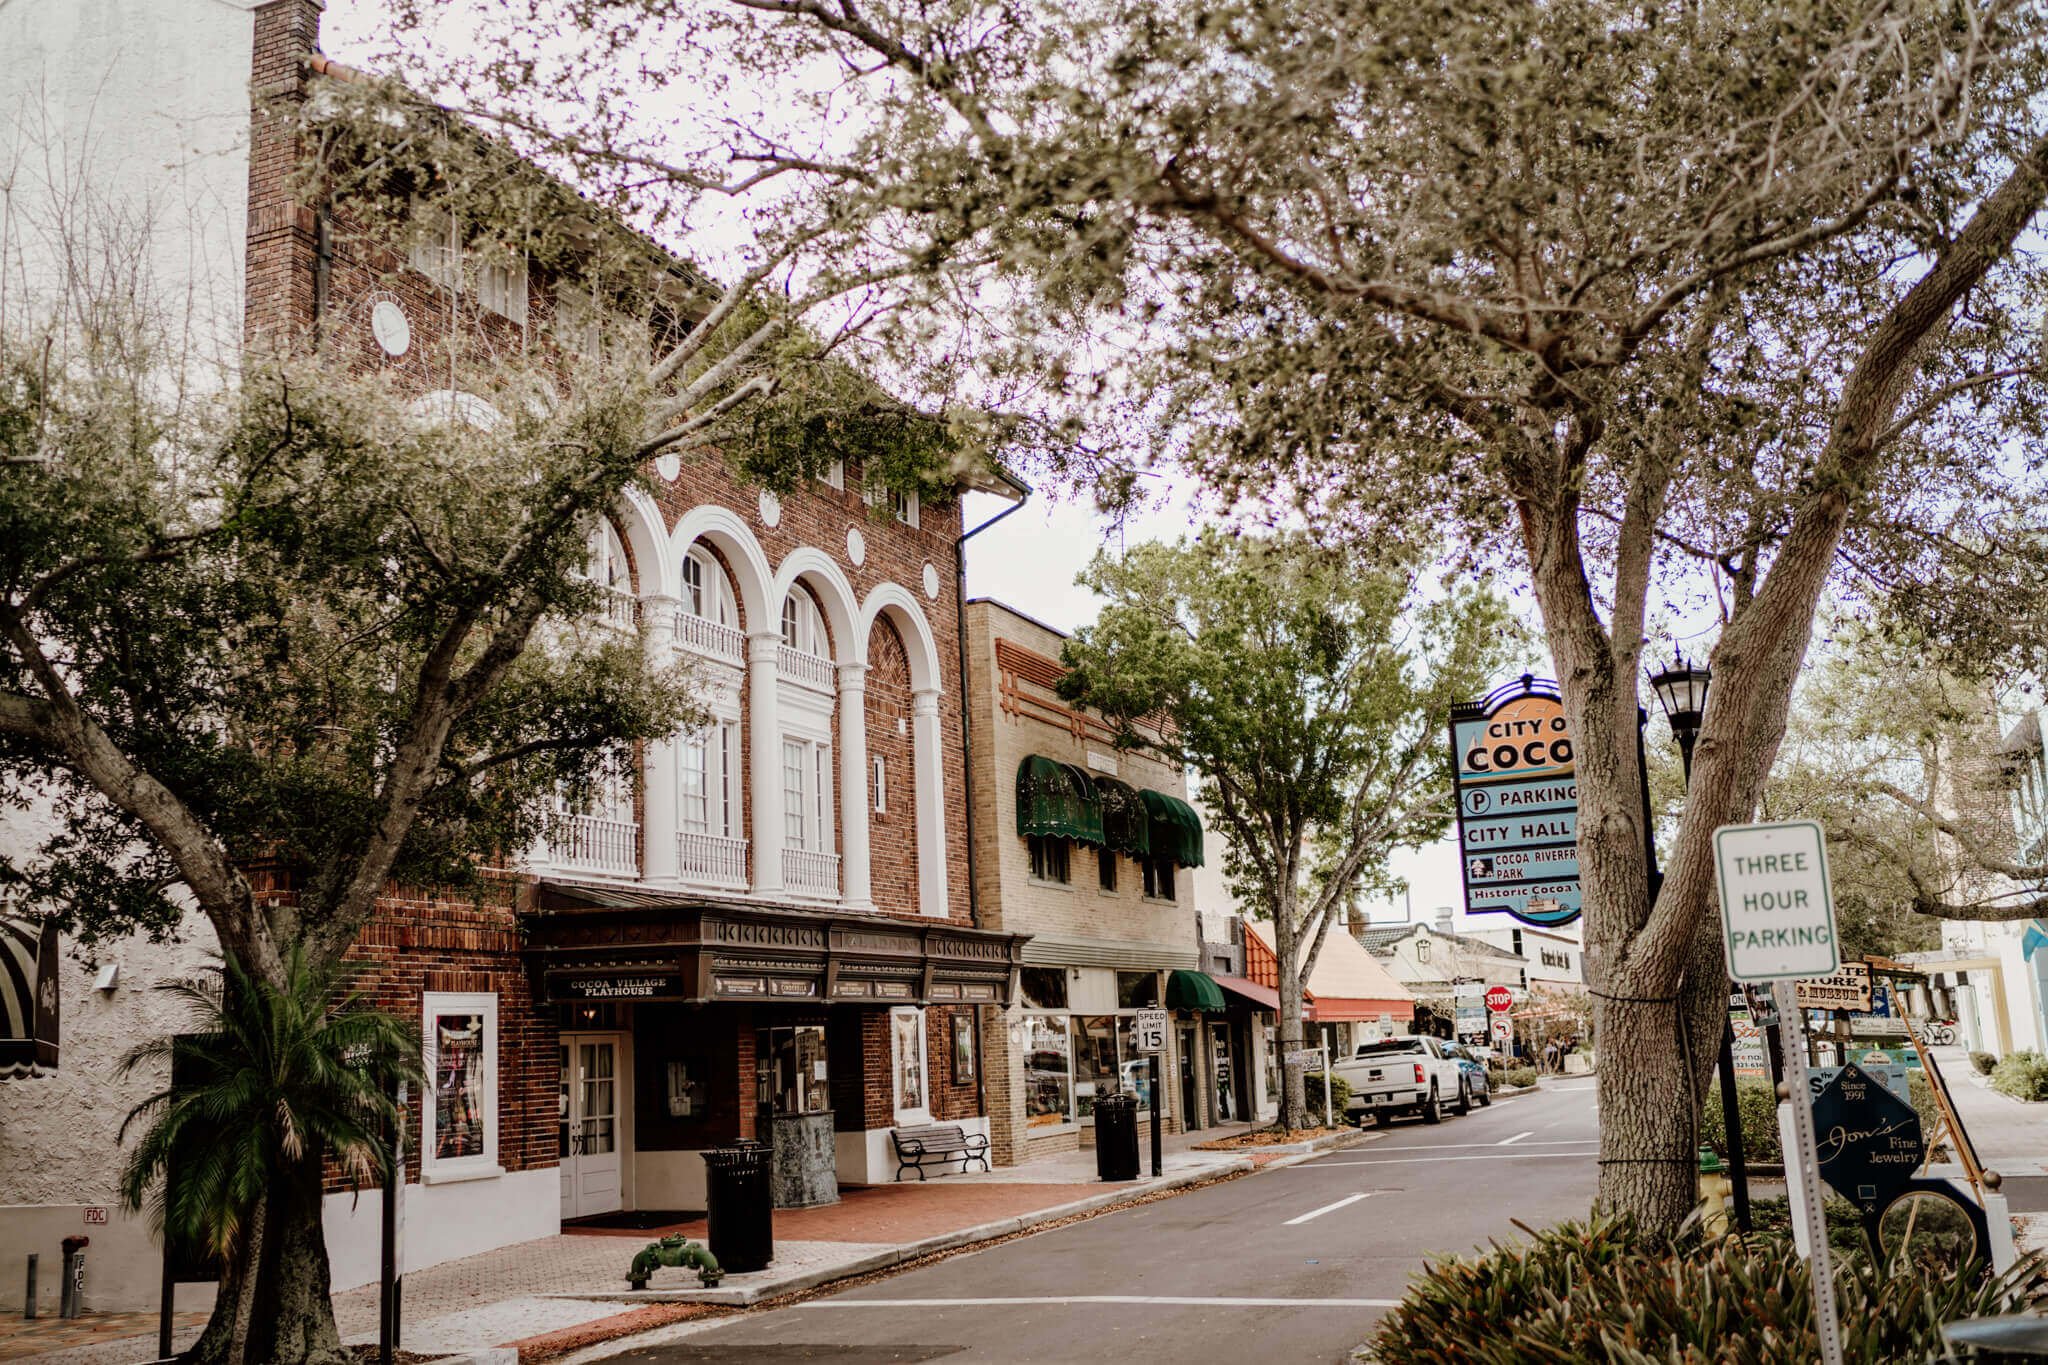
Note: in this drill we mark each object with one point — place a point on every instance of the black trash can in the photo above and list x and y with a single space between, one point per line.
1116 1137
739 1203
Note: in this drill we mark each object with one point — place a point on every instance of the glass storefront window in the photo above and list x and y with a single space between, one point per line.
1136 1066
1137 990
790 1070
458 1085
1045 988
1095 1070
1048 1079
1272 1050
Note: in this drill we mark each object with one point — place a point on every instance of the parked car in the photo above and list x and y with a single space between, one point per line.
1403 1076
1472 1062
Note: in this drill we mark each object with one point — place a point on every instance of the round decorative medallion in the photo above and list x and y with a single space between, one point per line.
388 325
856 546
668 466
771 510
931 581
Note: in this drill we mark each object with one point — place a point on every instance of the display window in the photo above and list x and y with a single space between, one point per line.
790 1072
460 1120
1048 1071
907 1048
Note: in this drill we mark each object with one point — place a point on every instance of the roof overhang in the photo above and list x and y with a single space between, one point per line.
594 944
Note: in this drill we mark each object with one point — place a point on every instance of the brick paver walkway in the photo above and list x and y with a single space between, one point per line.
21 1337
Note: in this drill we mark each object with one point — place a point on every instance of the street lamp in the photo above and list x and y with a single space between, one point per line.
1682 691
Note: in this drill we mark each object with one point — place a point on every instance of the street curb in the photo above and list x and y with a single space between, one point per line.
1328 1143
482 1355
909 1251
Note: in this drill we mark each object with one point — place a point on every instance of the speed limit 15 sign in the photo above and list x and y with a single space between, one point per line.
1148 1030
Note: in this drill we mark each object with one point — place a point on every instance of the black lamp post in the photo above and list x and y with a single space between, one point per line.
1682 691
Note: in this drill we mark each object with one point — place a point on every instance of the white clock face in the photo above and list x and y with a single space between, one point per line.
388 325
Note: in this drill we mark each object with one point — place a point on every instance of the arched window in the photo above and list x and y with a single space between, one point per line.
705 591
803 625
607 567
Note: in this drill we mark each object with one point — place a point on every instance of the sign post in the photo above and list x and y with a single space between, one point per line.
1149 1032
1778 923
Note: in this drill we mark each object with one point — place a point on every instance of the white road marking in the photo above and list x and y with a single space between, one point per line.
1409 1160
1141 1299
1540 1142
1511 1141
1329 1208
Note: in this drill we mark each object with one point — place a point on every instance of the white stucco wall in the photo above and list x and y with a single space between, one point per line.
125 124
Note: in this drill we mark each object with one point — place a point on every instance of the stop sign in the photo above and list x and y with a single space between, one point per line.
1500 999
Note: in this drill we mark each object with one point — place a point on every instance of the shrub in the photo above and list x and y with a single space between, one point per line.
1603 1291
2022 1075
1983 1061
1756 1104
1520 1076
1340 1096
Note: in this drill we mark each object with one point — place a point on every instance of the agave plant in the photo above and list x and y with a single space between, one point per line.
268 1085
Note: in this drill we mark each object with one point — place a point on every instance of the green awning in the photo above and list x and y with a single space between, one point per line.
1126 825
1057 800
1176 831
1187 990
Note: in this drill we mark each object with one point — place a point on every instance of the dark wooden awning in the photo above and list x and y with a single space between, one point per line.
595 943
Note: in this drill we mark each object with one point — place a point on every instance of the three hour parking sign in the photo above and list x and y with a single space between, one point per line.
1777 905
1518 804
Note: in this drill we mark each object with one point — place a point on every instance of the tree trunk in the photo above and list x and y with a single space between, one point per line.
1287 957
291 1321
245 1297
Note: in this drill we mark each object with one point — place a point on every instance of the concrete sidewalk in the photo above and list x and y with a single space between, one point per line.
2011 1136
557 1294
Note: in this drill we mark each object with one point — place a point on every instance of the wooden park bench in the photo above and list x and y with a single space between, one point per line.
937 1142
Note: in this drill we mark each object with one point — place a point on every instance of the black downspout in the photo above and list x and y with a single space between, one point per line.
323 269
967 752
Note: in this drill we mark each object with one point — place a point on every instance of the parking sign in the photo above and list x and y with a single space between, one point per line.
1777 904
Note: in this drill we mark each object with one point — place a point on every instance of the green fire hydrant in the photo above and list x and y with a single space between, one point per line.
676 1250
1715 1187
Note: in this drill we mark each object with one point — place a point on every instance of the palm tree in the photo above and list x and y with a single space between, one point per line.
268 1084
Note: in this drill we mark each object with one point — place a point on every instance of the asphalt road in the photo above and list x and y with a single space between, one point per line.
1281 1266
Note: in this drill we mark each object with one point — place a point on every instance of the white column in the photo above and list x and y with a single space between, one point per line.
856 882
658 761
927 759
764 771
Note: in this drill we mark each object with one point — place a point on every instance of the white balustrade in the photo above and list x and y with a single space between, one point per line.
591 843
806 670
805 873
707 637
711 860
621 609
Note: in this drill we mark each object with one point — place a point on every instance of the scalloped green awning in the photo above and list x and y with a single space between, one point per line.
1126 824
1176 831
1056 800
1186 990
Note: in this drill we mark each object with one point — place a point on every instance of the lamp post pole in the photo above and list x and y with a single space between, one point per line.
1682 691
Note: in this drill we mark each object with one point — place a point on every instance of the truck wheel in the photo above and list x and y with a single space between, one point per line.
1433 1110
1464 1105
1382 1118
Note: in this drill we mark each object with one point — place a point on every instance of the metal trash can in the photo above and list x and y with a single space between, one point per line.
739 1203
1116 1137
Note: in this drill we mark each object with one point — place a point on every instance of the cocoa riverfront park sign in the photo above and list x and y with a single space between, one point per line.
1518 804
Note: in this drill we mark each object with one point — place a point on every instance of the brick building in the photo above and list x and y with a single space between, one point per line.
763 932
1088 850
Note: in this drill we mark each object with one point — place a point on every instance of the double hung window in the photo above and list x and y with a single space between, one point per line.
807 795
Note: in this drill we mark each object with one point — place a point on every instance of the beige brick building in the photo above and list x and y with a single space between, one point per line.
1090 851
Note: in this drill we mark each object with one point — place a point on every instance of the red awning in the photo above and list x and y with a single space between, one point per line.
1325 1010
1265 997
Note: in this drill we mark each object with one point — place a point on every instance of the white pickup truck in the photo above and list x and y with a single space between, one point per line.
1403 1076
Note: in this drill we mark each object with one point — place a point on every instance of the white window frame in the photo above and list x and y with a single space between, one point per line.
483 1165
796 802
694 783
834 474
709 596
904 506
920 1113
501 283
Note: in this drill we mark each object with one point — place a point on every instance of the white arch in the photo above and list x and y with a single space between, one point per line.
835 595
895 601
760 610
641 521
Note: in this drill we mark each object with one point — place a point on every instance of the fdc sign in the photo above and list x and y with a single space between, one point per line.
1777 905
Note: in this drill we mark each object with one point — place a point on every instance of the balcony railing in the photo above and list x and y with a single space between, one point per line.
703 636
591 843
621 609
805 670
805 873
711 860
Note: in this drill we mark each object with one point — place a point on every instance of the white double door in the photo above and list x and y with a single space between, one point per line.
588 1127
